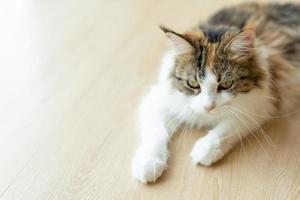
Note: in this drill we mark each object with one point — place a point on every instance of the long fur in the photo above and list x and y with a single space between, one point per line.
230 80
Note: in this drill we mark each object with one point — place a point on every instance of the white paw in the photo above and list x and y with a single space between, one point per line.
206 151
147 168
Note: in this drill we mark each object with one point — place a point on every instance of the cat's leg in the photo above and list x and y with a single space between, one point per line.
218 142
152 154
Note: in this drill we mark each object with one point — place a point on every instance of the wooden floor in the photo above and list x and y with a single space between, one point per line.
72 75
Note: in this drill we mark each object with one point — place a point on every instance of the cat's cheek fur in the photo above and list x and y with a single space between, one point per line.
224 98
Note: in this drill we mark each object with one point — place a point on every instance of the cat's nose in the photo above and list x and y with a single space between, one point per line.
209 107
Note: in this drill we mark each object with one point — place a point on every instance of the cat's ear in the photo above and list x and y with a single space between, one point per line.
179 43
242 45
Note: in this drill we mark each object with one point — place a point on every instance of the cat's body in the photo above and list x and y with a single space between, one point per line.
232 74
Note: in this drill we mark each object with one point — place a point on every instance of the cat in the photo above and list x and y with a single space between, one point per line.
232 74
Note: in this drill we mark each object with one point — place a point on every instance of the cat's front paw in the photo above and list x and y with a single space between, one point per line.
206 151
147 168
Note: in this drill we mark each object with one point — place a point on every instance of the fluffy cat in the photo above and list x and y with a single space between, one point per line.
231 74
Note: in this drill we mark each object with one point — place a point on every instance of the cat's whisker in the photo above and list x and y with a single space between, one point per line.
272 98
256 126
269 116
251 132
238 129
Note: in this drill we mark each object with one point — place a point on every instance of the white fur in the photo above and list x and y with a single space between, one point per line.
164 108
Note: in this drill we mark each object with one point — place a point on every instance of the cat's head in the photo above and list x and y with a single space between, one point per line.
213 66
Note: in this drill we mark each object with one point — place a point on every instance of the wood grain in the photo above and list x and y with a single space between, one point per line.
72 75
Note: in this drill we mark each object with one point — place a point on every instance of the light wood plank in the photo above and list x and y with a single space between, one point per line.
72 75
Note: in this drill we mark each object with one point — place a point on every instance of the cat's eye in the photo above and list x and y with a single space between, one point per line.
193 84
225 85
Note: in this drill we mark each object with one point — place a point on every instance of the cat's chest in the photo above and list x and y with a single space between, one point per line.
202 120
